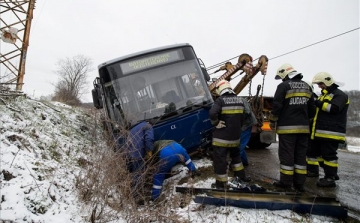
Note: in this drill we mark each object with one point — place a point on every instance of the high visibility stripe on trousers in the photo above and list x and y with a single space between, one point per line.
222 177
287 170
330 168
319 161
225 143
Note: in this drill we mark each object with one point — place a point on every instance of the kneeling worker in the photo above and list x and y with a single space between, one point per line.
167 154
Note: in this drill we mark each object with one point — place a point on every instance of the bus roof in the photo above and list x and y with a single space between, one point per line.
143 52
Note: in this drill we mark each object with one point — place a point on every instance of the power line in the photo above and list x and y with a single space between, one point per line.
216 65
315 43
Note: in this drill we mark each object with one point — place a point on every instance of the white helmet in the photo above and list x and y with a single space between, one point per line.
323 77
285 70
221 86
310 84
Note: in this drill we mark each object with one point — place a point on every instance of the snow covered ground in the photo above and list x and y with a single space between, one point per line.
41 145
353 144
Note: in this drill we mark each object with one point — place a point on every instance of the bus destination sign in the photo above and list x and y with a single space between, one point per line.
151 61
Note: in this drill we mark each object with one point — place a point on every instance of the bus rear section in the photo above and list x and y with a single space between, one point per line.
164 86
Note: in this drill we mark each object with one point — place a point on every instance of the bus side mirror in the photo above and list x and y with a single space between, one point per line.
97 99
203 70
205 73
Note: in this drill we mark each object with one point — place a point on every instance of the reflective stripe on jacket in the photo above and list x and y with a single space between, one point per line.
228 108
293 107
331 115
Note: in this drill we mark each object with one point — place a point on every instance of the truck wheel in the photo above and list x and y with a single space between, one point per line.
254 142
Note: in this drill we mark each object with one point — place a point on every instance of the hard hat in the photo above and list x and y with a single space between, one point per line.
285 70
222 85
310 84
323 77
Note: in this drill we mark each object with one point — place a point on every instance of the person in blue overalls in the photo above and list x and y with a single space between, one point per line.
167 154
138 147
248 123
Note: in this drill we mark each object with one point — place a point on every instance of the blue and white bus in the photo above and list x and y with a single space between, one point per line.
166 86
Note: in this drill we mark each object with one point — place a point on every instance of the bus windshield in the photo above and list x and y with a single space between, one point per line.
154 91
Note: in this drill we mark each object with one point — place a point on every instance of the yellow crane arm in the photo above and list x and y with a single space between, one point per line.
243 64
261 66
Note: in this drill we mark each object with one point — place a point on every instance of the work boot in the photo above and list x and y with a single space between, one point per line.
326 182
299 187
336 177
312 170
312 174
246 179
220 185
140 202
241 175
236 183
281 185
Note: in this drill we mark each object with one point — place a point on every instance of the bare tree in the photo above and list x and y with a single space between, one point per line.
72 79
353 115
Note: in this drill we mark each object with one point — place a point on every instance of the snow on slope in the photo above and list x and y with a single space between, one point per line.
42 145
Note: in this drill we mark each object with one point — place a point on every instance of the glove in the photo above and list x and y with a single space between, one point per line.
148 155
318 103
220 125
272 125
194 174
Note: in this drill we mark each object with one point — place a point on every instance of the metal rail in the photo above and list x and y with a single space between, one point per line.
297 202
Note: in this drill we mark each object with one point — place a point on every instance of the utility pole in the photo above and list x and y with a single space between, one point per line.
15 24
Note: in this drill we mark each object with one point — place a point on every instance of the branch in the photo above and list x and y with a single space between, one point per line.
9 106
32 177
14 157
46 105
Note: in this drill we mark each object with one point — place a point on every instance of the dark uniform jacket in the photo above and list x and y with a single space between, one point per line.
249 116
331 115
293 107
228 108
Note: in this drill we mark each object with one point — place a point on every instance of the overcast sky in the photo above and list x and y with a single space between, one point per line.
218 31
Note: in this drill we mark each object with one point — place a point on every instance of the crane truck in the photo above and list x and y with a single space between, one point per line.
262 136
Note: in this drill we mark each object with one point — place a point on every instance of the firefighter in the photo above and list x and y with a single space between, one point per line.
167 154
226 115
328 130
310 122
293 107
